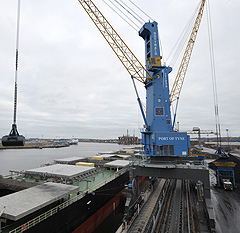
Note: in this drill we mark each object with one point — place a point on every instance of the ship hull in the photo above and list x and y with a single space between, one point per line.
85 215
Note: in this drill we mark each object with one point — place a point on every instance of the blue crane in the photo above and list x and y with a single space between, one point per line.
158 137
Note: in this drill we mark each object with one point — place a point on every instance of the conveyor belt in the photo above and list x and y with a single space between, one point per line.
141 222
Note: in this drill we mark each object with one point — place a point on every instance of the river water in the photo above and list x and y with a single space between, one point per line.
23 159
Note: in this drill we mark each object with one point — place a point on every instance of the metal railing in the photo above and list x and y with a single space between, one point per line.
65 204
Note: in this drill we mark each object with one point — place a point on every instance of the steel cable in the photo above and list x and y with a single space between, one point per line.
121 15
16 70
213 73
141 10
133 14
178 46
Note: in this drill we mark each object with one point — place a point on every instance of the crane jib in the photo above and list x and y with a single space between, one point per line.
179 80
122 51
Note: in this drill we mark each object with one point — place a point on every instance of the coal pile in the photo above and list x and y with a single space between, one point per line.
230 159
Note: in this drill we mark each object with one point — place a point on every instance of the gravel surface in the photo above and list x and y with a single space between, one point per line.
226 204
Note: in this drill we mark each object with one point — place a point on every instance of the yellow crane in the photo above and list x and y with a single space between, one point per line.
178 83
158 123
125 55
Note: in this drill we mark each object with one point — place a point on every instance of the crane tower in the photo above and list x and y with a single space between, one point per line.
159 137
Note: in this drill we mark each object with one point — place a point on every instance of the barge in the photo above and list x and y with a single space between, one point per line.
64 197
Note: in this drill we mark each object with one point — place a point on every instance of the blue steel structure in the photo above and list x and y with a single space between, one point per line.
225 170
159 137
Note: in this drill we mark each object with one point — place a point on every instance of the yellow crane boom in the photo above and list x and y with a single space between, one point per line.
178 83
125 55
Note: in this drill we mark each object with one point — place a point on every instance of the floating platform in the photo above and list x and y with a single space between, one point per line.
25 202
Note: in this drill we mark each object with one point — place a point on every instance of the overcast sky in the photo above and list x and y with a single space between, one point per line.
70 83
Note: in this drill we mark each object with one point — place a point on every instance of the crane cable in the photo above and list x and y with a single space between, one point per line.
213 73
179 45
143 21
16 70
121 15
141 10
137 19
130 11
133 14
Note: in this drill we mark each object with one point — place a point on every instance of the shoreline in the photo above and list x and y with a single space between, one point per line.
33 146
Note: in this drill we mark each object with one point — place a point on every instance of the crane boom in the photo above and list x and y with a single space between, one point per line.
125 55
178 83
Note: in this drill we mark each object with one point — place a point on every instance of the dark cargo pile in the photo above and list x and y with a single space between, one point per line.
230 159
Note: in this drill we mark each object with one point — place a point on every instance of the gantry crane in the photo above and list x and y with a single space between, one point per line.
158 138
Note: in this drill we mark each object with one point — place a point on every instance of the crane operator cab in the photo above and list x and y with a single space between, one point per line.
13 139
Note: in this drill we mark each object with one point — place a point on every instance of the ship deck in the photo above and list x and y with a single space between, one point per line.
74 191
20 204
60 185
61 171
69 160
